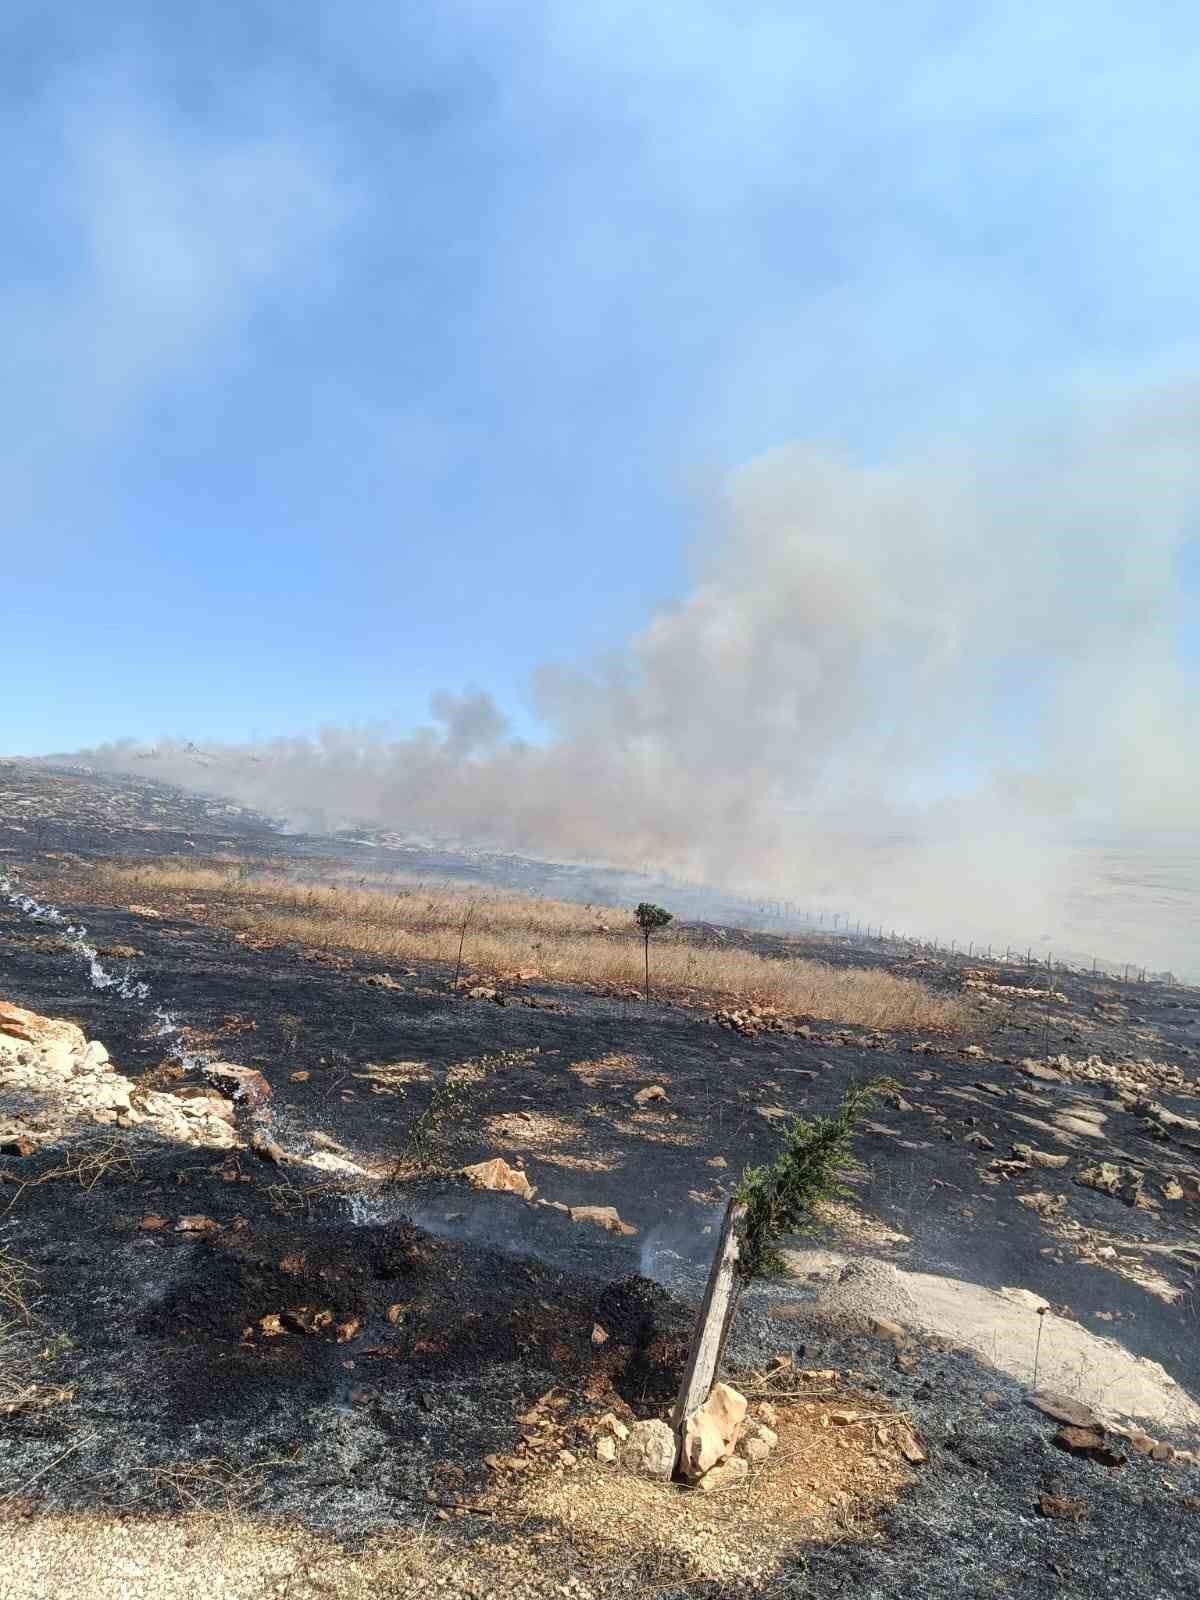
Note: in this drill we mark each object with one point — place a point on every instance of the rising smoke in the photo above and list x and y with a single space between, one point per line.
910 686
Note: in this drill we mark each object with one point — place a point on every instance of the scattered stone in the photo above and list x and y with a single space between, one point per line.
500 1177
1090 1442
603 1217
884 1328
1039 1070
151 1223
650 1450
244 1085
394 1313
725 1475
909 1445
267 1149
757 1441
1123 1183
843 1418
300 1077
1039 1158
1062 1508
197 1224
606 1449
599 1336
1046 1205
345 1331
653 1091
270 1325
1062 1409
974 1050
716 1161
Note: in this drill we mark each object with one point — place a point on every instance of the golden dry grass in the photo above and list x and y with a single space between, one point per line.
513 936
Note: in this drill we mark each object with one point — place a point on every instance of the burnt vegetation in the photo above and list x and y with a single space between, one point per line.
323 1329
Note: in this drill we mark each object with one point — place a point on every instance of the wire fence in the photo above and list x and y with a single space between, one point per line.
790 916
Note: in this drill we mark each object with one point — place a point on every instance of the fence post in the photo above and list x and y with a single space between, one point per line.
712 1324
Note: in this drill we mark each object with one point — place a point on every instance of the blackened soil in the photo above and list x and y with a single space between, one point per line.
419 1350
415 1326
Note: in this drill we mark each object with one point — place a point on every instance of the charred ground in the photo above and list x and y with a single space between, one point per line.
451 1312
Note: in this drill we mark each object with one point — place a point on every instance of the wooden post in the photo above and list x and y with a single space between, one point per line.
712 1324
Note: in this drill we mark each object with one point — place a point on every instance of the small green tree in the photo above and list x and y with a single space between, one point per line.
649 919
780 1199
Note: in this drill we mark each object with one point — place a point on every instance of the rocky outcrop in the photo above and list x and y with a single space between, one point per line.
76 1082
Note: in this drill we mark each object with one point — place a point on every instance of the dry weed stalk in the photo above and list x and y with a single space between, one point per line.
17 1282
212 1482
24 1398
91 1160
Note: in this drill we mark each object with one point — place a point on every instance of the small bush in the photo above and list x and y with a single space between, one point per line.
781 1198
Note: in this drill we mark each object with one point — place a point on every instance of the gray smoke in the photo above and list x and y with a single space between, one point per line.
950 694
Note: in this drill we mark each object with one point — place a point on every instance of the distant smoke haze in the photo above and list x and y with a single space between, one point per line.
948 697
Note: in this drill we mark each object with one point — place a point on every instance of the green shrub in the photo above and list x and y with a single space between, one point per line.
781 1198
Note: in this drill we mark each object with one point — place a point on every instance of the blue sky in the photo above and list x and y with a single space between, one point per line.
356 352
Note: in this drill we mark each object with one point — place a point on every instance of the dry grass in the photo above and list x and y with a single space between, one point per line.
92 1160
16 1284
512 938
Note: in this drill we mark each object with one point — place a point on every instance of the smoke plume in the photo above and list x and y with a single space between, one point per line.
947 695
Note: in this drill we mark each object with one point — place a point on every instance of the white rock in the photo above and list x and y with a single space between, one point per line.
757 1441
711 1431
650 1450
724 1475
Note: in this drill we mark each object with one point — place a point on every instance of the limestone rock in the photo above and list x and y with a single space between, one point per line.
32 1028
650 1450
603 1217
500 1177
606 1449
725 1475
711 1431
1123 1183
757 1441
1062 1409
244 1085
653 1091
